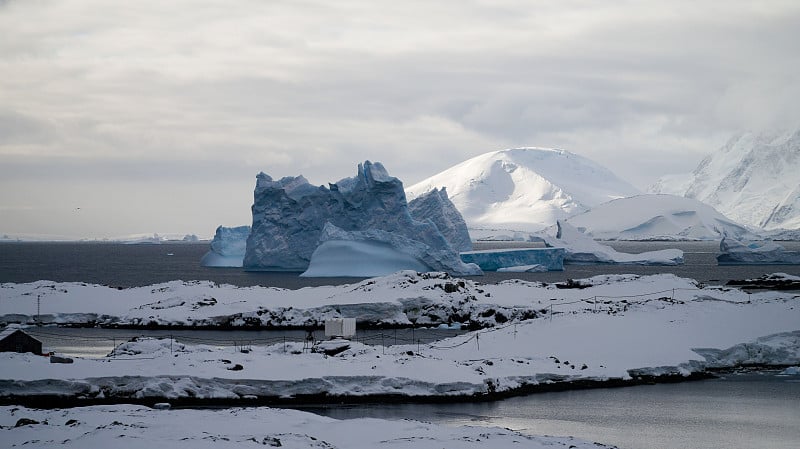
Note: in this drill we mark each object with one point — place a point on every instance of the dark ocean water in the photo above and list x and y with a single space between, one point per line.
756 410
125 265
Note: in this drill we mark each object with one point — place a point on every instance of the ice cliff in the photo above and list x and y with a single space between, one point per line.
227 248
289 216
436 206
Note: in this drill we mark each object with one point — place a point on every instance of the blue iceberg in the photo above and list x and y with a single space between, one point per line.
493 260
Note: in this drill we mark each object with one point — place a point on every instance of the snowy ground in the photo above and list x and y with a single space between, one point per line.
141 427
401 299
616 328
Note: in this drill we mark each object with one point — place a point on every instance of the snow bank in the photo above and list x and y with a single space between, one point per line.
139 427
405 299
599 329
582 249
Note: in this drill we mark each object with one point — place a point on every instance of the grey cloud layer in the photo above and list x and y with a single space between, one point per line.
315 87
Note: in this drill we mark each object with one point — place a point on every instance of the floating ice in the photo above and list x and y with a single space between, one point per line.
736 252
582 249
550 259
289 217
227 248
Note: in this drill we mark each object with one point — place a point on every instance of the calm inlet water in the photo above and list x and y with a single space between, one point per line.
740 411
139 265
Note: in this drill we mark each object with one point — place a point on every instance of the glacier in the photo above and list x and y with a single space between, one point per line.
736 252
516 260
582 249
227 247
290 216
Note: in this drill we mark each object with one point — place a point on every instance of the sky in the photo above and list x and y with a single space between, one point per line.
120 118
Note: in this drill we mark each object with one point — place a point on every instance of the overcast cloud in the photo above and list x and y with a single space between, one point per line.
155 116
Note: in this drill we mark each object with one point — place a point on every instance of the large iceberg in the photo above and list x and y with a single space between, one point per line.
736 252
377 253
227 248
436 206
289 216
582 249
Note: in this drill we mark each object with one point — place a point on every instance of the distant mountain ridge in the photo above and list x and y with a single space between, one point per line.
754 179
525 189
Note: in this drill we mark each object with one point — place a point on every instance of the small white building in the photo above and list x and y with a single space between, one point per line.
340 327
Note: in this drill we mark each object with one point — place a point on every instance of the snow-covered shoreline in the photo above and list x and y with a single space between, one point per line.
403 299
133 426
604 330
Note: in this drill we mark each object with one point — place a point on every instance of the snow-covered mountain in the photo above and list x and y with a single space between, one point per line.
754 179
525 189
657 217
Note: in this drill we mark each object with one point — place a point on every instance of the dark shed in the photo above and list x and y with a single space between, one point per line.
14 339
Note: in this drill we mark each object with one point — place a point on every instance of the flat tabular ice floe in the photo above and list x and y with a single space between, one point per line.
735 252
582 249
547 259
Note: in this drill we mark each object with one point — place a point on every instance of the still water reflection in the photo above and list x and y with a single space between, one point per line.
759 410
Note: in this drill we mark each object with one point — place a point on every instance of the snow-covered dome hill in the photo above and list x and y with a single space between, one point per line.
657 217
525 189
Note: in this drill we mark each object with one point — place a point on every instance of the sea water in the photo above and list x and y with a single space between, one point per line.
126 265
755 410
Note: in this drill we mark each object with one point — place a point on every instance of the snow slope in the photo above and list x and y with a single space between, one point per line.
754 179
138 427
524 189
657 217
